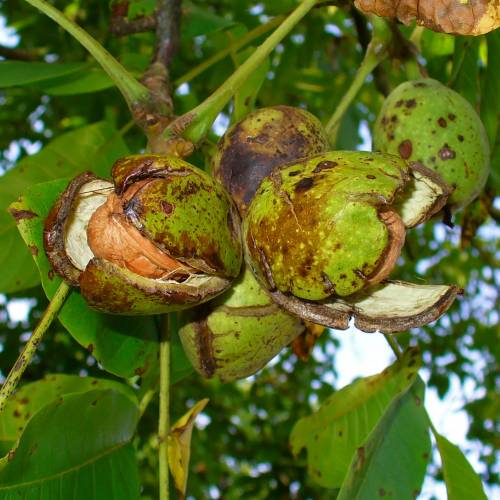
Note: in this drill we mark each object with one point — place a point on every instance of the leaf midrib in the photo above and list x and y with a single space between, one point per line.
67 471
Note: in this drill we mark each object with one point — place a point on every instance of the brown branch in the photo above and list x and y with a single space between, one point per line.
18 54
168 19
121 26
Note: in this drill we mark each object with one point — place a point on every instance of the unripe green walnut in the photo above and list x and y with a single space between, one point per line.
164 236
238 333
425 122
265 138
322 233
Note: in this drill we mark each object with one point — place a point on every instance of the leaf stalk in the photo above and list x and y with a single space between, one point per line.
29 350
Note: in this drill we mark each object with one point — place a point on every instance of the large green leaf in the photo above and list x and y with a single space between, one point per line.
94 148
77 447
461 480
393 460
19 73
85 82
334 433
54 79
30 398
465 71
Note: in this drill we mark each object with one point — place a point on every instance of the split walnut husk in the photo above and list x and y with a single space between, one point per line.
323 234
162 237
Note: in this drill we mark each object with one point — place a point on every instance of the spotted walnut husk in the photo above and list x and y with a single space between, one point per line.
262 140
238 333
426 123
161 237
323 234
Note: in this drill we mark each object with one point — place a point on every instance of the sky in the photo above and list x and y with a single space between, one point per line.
360 354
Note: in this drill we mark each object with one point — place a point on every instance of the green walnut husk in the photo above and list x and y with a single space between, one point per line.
238 333
426 123
263 139
324 233
161 237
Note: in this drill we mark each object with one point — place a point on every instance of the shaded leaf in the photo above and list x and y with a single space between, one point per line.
490 97
85 82
76 447
436 44
20 73
125 346
179 446
201 21
30 398
465 70
459 476
342 424
94 148
470 17
393 460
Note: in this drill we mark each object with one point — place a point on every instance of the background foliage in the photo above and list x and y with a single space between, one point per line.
243 450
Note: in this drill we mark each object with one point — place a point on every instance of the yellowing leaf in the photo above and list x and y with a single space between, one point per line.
179 446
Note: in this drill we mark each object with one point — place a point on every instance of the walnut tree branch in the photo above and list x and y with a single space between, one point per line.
168 21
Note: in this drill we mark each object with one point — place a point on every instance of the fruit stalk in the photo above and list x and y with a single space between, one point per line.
194 125
375 54
29 350
164 417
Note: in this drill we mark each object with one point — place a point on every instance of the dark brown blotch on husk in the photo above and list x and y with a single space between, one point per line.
264 139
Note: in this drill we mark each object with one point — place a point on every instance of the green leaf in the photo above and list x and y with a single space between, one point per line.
125 346
465 71
437 44
137 8
334 433
393 460
459 476
77 447
20 73
85 82
30 398
490 98
201 21
94 148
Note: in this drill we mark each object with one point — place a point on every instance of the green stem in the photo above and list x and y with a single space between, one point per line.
24 358
200 119
164 419
375 53
134 92
394 345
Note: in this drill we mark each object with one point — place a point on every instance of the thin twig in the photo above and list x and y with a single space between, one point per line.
164 418
375 53
29 350
394 345
121 26
18 54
